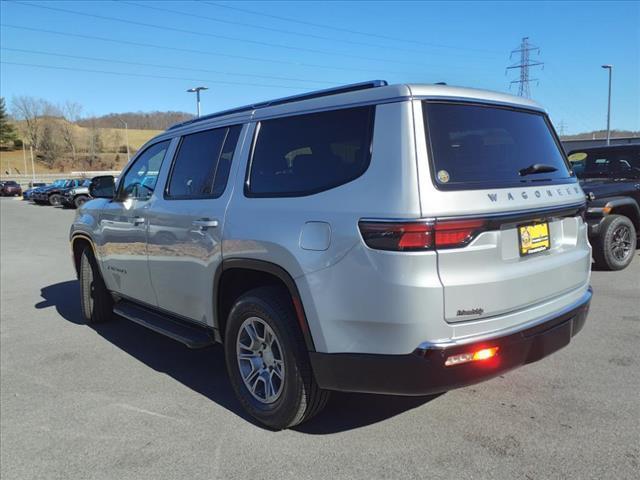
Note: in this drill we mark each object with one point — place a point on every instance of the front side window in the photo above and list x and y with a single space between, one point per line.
484 146
306 154
140 180
201 166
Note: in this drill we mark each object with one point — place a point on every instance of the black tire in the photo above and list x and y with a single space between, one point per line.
615 245
95 300
55 199
300 398
80 200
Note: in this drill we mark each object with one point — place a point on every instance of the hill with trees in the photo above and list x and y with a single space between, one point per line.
62 140
137 120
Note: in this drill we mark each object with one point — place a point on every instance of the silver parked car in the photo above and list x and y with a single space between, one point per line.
396 239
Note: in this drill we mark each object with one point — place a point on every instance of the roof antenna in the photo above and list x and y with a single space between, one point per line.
440 83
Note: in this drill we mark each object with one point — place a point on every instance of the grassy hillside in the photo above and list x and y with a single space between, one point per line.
113 151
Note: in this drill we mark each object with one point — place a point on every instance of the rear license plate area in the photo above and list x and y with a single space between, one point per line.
533 238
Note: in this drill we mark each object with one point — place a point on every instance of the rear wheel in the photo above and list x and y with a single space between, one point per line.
95 299
616 244
267 360
55 199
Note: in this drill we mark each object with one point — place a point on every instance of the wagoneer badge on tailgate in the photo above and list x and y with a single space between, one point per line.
473 311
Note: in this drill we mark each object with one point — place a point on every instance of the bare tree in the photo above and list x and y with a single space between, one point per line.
71 112
49 149
30 111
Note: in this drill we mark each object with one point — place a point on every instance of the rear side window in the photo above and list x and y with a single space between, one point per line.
478 146
201 166
614 162
306 154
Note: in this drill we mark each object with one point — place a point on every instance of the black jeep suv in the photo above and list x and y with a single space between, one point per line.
610 177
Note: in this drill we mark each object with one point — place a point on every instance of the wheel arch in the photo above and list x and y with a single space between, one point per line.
628 207
238 275
78 242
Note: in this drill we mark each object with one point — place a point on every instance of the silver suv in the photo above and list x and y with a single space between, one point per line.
396 239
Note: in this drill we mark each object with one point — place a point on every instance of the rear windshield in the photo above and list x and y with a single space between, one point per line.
480 146
614 162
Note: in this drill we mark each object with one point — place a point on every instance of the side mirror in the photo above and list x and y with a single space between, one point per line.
102 187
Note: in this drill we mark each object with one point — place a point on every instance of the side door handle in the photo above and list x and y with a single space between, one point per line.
138 221
205 223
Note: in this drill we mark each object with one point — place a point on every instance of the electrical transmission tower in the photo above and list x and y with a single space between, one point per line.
562 128
524 65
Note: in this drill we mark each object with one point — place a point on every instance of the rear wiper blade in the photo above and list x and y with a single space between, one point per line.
537 168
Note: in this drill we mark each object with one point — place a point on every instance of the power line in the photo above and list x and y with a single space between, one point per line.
190 50
525 64
346 30
211 35
145 75
200 16
155 65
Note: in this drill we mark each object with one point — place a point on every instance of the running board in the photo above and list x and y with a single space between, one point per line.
179 330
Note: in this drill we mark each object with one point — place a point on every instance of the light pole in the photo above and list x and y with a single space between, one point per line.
610 68
197 91
126 136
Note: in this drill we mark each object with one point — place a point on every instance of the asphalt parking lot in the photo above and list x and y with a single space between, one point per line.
121 402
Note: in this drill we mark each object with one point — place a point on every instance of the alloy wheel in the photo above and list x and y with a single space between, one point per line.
260 360
621 243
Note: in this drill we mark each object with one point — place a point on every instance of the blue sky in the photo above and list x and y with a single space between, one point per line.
251 51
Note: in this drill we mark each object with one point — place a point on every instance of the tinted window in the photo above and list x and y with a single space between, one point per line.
616 162
201 167
305 154
140 180
476 146
224 162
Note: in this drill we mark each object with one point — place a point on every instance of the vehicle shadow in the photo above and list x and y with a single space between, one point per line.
203 370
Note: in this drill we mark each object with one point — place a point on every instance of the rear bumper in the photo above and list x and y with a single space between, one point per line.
423 372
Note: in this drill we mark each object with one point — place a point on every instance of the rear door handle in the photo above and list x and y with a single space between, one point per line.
138 220
205 223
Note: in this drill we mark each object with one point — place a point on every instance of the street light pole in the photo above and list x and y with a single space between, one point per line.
197 91
126 136
610 68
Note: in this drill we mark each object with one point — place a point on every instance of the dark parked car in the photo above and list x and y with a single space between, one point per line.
75 197
610 177
10 188
26 195
52 194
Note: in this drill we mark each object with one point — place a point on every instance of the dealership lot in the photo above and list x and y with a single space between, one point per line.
118 401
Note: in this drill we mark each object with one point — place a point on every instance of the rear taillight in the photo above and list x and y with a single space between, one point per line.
420 235
397 236
457 233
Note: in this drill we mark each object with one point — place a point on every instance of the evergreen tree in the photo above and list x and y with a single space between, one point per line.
7 132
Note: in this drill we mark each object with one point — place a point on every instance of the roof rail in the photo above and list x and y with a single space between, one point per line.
294 98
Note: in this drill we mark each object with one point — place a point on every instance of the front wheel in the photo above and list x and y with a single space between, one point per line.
95 299
267 360
616 244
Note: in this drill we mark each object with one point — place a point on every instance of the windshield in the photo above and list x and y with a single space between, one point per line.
58 183
11 182
482 146
612 162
